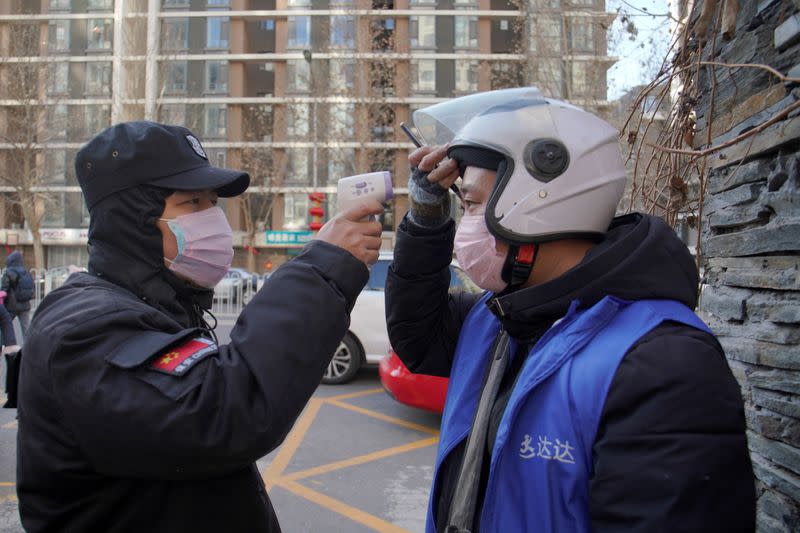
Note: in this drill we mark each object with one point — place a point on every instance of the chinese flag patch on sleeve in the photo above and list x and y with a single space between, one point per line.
179 359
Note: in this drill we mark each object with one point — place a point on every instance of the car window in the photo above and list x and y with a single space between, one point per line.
377 275
460 281
379 271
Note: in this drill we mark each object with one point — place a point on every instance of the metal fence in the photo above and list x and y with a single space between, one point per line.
230 296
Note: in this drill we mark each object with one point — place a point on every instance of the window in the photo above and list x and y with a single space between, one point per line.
341 163
504 25
343 32
268 25
58 36
175 77
216 76
298 168
506 74
298 76
299 32
55 166
381 124
57 121
99 34
546 35
216 121
98 117
341 75
466 32
176 33
297 119
98 78
551 77
176 3
582 36
100 4
423 75
219 3
422 30
59 4
57 78
54 211
298 3
172 114
218 31
579 78
295 211
217 156
466 76
342 121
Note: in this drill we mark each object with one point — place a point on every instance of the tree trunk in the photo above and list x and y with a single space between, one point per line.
29 213
252 265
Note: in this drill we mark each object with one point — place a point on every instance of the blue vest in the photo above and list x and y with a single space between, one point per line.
542 457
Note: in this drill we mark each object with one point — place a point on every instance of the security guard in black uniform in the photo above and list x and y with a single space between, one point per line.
131 416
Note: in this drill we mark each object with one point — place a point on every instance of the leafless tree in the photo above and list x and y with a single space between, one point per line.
26 128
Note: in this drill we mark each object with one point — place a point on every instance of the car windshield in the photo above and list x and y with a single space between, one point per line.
379 271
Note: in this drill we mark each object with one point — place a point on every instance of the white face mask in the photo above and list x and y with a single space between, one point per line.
205 246
477 253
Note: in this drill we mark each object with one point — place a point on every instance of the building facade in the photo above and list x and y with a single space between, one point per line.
298 92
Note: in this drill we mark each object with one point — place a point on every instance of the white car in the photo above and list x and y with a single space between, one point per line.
367 340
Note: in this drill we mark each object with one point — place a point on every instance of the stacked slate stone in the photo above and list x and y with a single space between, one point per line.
751 242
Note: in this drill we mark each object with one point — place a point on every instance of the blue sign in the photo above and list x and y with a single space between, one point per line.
278 238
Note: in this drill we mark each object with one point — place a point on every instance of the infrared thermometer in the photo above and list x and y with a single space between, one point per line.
353 189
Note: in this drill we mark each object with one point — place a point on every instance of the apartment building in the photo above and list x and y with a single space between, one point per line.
299 92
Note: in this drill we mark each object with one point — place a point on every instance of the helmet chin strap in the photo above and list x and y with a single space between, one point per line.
519 264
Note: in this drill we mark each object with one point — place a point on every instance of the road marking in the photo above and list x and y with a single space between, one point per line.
14 424
7 484
273 475
361 459
292 442
354 514
358 394
385 418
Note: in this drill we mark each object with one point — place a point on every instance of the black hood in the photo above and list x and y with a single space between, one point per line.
126 248
639 258
14 259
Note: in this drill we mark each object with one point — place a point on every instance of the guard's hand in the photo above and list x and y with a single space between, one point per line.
432 163
355 232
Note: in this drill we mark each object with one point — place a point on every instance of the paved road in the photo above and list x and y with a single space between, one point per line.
355 462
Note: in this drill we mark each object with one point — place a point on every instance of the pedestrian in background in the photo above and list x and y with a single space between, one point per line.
19 287
132 417
584 393
8 338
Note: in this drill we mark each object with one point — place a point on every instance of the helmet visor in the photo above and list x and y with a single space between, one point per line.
438 124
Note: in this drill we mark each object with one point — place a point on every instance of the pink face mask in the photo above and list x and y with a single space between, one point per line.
476 253
205 246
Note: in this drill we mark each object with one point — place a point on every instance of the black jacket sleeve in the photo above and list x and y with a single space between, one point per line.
423 317
235 405
671 453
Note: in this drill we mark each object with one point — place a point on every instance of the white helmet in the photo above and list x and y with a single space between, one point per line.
559 170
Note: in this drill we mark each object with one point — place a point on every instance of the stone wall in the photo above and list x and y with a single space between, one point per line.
751 241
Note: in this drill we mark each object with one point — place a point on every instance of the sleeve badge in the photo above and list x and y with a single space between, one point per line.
180 358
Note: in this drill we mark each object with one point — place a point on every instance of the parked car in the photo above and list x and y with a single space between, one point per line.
237 283
367 340
417 390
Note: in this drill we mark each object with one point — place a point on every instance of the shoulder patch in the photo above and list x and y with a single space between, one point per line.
184 356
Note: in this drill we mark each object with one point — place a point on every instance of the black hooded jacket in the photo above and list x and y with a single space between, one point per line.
16 276
110 441
674 407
